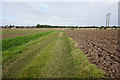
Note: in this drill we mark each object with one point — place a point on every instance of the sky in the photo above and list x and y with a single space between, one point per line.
58 13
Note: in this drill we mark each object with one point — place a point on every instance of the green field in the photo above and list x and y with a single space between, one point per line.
47 54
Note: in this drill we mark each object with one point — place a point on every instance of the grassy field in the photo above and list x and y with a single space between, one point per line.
47 54
7 33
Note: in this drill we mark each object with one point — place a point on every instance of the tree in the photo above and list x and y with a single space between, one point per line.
37 26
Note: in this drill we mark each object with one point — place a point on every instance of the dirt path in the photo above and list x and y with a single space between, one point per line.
60 34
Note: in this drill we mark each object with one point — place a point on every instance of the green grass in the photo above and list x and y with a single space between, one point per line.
52 61
51 56
13 42
14 47
28 52
84 68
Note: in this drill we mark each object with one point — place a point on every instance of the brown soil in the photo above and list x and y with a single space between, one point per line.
12 35
26 29
30 31
101 48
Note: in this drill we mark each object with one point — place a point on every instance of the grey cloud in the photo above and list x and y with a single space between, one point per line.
62 13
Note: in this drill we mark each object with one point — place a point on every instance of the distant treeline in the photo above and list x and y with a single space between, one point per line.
50 26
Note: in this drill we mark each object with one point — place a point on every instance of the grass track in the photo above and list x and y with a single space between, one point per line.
52 56
12 53
28 51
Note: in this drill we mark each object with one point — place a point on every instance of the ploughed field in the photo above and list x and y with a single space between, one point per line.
101 48
44 53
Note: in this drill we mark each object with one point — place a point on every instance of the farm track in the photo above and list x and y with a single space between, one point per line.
55 63
50 56
17 65
101 48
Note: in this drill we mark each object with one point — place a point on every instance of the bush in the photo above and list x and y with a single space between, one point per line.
72 28
100 28
104 28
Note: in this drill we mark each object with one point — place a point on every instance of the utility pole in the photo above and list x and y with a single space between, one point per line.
119 13
107 19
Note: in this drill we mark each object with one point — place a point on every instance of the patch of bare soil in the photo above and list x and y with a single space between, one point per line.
101 48
12 35
29 31
60 34
37 29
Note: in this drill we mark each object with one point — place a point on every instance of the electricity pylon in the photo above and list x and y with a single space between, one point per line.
107 19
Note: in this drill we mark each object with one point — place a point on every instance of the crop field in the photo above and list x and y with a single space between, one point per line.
10 33
45 53
101 48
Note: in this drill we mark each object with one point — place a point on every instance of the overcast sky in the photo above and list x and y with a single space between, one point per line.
58 13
